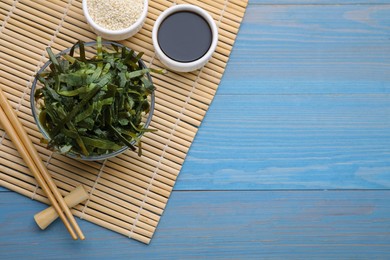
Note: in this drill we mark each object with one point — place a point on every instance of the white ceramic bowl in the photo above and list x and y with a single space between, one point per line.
116 35
185 66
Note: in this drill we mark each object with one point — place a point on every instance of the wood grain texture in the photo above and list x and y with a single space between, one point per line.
221 225
291 142
301 49
319 2
304 103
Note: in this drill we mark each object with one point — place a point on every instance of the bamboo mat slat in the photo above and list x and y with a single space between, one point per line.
128 194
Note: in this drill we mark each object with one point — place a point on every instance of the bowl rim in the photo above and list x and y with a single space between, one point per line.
46 135
138 23
185 66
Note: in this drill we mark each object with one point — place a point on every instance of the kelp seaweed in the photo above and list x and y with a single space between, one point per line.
94 106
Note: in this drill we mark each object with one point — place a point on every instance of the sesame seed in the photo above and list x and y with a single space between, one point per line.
115 14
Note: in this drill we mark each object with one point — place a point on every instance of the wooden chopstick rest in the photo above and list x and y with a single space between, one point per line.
48 215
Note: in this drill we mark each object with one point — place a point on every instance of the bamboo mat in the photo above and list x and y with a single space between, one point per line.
127 194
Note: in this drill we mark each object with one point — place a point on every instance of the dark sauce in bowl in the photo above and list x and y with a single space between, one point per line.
184 36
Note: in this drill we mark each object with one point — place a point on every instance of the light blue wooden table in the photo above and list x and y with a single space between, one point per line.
291 162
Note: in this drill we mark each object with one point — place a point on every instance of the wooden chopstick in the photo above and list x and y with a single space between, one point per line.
29 161
23 143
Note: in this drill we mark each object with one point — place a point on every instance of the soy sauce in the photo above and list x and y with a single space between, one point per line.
184 36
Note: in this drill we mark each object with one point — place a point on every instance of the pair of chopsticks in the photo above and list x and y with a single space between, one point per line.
24 145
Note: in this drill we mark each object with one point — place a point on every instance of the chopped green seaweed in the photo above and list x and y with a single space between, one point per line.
94 106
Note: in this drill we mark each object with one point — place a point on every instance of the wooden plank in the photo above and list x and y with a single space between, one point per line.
284 49
220 225
317 2
291 142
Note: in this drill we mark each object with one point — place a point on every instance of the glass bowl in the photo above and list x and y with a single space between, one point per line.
90 51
